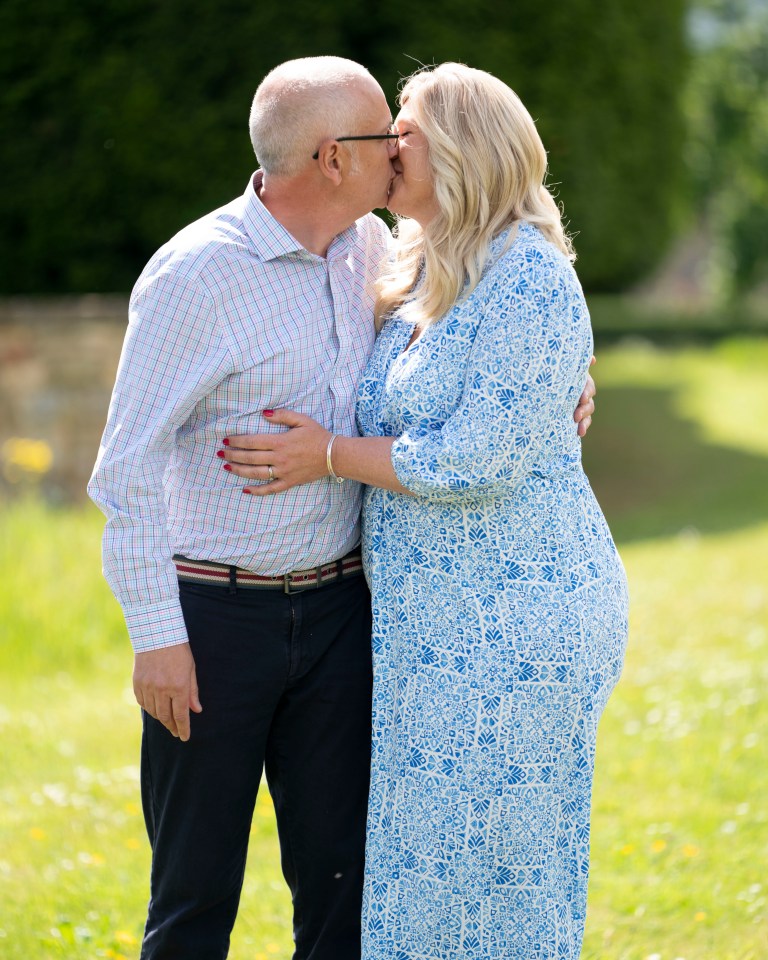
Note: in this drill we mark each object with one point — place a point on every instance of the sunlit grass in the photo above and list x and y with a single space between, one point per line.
722 388
74 858
680 829
680 822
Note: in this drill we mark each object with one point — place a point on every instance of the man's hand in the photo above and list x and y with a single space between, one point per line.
583 413
165 685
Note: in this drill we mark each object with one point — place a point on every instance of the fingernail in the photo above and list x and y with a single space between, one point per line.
267 413
246 489
219 453
227 466
225 441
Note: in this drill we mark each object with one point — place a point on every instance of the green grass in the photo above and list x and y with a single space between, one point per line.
679 458
74 858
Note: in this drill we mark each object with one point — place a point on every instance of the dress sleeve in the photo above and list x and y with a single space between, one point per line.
174 354
527 367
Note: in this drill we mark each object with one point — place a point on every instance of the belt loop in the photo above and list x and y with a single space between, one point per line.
339 568
232 581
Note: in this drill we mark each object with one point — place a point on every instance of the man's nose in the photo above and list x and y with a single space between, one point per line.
393 146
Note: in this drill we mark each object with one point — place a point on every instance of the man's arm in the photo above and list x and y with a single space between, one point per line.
173 355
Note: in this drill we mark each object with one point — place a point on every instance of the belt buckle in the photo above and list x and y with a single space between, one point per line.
288 588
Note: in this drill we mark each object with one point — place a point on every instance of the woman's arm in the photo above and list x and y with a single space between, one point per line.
526 367
301 455
532 346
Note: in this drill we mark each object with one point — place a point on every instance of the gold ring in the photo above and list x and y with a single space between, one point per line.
270 472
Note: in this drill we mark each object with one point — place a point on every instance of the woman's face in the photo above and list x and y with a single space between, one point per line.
412 193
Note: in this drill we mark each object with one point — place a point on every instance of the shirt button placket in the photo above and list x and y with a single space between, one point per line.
339 282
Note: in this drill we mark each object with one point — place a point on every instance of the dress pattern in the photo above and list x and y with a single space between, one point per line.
500 621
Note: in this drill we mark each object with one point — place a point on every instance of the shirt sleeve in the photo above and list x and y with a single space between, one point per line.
173 355
527 366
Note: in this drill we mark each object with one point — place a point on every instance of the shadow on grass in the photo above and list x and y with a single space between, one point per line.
654 474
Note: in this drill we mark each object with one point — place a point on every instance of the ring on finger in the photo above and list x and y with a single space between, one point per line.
270 472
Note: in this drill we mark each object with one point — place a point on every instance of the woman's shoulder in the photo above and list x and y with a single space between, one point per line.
524 255
529 276
524 244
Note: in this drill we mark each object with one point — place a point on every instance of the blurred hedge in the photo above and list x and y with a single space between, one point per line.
617 317
121 120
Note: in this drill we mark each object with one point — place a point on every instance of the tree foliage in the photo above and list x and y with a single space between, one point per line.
727 103
124 119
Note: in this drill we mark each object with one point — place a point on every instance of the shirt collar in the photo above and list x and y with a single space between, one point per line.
270 237
339 246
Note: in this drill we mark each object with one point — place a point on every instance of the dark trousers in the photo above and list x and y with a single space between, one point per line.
285 684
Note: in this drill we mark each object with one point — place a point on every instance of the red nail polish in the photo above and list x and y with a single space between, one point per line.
225 441
246 489
227 466
219 453
267 413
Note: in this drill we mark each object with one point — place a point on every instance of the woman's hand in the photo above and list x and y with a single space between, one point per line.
279 461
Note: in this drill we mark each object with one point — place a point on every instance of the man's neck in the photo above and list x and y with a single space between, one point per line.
310 218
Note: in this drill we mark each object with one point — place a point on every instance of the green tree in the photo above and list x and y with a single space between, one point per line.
121 120
727 106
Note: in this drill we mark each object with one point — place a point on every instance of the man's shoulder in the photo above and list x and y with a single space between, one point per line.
197 249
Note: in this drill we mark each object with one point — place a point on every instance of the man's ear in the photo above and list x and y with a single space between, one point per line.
332 162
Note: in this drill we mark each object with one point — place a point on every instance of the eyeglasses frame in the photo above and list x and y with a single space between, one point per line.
368 136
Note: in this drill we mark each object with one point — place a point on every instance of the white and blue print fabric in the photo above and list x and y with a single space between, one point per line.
500 621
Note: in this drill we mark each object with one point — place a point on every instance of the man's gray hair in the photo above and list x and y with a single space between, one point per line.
301 103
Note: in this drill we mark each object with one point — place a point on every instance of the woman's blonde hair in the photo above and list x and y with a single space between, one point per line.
488 167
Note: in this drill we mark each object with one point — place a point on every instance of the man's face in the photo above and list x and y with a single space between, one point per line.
373 171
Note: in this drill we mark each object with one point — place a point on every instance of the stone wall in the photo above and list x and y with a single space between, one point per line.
58 359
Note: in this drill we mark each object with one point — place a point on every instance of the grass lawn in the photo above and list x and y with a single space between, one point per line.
679 458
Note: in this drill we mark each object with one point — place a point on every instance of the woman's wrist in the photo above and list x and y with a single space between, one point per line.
343 459
329 458
366 460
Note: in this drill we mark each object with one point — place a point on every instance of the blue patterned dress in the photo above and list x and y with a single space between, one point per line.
500 621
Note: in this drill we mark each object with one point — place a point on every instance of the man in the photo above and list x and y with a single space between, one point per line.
252 645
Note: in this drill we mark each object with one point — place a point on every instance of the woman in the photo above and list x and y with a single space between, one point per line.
499 600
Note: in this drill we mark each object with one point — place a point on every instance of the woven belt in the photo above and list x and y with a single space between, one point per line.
202 571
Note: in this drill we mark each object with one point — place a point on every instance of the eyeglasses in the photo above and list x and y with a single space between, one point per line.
368 136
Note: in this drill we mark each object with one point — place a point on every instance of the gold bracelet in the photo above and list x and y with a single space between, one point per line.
328 463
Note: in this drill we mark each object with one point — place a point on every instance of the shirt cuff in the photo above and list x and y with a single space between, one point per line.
427 472
155 625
